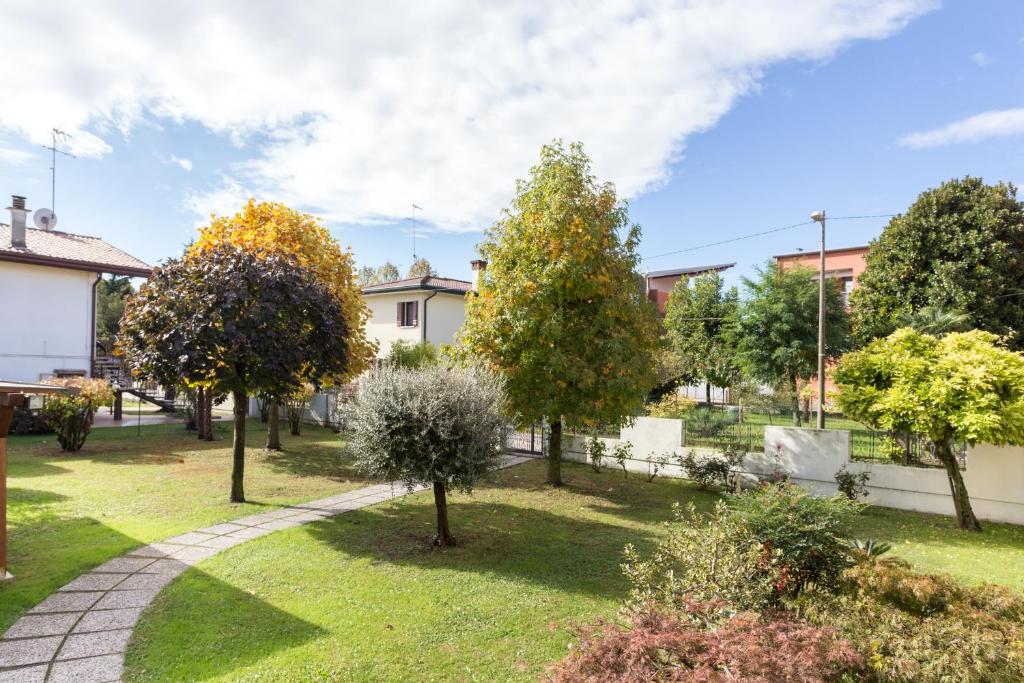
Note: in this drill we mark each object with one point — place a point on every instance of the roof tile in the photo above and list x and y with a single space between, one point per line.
64 249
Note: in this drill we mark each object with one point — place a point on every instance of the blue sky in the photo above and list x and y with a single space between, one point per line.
797 128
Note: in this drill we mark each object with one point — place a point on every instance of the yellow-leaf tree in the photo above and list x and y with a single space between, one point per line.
267 228
561 311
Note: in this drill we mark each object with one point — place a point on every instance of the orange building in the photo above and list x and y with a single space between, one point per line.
844 264
658 283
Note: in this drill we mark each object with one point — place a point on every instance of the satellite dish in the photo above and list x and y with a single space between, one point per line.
44 219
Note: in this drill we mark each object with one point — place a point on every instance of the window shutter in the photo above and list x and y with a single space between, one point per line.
415 313
399 313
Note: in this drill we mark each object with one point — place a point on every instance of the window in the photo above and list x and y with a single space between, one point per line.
408 312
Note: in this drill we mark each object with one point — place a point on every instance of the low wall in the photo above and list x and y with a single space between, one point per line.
994 475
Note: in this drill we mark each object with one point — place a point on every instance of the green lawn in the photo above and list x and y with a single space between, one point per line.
69 513
364 597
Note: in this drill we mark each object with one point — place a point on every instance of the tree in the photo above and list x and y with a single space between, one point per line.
959 247
236 322
374 276
699 316
936 321
777 333
964 386
561 312
404 354
274 229
110 295
433 425
296 404
421 268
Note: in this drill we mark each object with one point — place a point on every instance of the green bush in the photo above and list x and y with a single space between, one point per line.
809 532
671 406
70 415
596 452
853 486
404 354
707 471
621 453
28 421
706 559
921 627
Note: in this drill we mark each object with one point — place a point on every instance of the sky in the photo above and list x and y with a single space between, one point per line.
715 119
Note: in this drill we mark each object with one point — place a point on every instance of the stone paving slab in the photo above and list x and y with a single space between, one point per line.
80 633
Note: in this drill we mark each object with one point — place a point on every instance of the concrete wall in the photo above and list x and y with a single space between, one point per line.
445 313
46 318
994 475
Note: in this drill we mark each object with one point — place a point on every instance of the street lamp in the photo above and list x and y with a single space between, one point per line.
819 217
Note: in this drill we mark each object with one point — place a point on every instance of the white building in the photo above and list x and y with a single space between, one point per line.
417 309
48 297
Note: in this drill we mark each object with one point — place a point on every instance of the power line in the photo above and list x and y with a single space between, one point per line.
761 234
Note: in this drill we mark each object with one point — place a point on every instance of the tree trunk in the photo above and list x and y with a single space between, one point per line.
208 414
796 403
444 534
197 415
555 452
238 448
707 392
961 502
274 427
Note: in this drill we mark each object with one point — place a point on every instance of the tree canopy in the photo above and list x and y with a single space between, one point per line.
369 275
777 334
959 247
964 386
270 229
561 312
432 425
110 296
699 318
238 322
421 268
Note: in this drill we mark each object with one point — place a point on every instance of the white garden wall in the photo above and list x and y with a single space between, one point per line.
994 475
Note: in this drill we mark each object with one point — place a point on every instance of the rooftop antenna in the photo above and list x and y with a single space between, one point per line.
54 135
414 207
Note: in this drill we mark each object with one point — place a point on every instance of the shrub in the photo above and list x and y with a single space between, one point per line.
659 646
621 453
708 423
868 550
656 463
707 471
853 486
671 406
435 425
927 628
295 407
25 420
70 415
404 354
596 452
808 531
703 559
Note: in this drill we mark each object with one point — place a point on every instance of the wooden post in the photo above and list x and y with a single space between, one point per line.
7 404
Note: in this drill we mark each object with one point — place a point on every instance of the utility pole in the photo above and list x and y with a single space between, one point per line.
54 134
819 216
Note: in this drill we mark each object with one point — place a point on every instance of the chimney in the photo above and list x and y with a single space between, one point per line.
18 213
479 266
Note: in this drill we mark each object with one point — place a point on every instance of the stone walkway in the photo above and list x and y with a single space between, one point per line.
80 633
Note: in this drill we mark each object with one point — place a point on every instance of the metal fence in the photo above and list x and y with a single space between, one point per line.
915 450
529 440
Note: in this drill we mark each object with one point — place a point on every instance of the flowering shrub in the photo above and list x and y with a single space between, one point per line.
621 453
596 452
707 471
659 646
671 406
70 415
853 486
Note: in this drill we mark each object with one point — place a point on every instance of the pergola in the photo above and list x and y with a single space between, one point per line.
12 394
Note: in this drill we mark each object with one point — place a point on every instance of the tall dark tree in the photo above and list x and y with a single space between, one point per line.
239 323
110 296
777 333
959 248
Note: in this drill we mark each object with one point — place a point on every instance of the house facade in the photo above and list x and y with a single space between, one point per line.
844 264
48 284
658 283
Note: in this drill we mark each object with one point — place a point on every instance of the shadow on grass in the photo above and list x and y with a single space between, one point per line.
330 462
570 554
223 629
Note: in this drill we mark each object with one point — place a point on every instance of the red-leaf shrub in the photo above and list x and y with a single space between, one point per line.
659 646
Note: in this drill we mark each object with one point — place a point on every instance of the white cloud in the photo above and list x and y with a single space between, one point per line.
356 110
989 124
183 162
14 156
981 59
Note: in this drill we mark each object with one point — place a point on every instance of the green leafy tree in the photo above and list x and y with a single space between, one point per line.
777 332
374 276
959 247
239 322
937 321
964 386
699 316
405 354
437 426
421 268
110 296
561 312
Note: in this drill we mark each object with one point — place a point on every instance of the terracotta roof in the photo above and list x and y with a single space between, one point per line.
65 250
815 252
443 284
693 270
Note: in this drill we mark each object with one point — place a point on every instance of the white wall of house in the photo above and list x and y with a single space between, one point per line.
444 316
46 320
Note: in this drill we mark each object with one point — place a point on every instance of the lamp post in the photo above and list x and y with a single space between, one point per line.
819 217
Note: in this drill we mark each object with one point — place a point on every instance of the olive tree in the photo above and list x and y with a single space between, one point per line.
964 386
437 426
